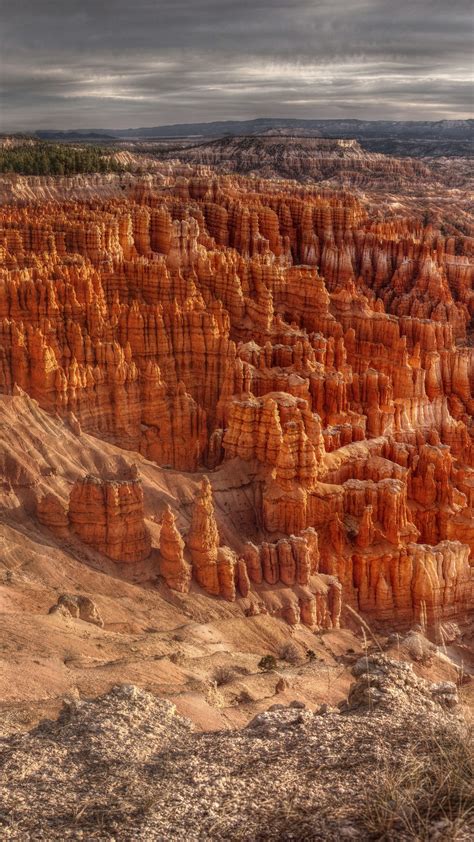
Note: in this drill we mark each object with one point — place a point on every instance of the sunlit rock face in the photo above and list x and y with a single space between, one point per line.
199 318
108 515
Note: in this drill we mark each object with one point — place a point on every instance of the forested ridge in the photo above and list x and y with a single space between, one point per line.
57 159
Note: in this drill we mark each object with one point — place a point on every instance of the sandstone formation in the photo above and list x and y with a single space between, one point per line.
108 515
292 563
291 560
52 514
436 188
207 321
203 541
174 569
214 567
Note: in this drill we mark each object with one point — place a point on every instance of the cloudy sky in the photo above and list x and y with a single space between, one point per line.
130 63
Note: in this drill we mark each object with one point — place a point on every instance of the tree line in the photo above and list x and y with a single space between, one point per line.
57 159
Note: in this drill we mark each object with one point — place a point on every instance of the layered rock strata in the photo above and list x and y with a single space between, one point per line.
108 515
173 567
199 319
293 563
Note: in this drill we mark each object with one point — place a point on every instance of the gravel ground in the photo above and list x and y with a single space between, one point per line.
126 766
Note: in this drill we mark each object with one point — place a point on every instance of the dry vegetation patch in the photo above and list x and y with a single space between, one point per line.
428 793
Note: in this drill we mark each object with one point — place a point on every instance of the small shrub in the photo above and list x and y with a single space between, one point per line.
311 655
245 697
239 670
196 685
289 652
223 675
175 658
267 663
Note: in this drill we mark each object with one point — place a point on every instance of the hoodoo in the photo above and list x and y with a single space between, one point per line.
236 421
108 515
209 321
174 569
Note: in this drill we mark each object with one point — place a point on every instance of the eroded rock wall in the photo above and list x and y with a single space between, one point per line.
200 319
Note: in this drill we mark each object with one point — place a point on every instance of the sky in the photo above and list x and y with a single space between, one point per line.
131 63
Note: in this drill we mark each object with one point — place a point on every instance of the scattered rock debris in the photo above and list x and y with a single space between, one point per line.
126 766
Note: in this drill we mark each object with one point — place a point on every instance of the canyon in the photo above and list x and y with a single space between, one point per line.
236 395
236 422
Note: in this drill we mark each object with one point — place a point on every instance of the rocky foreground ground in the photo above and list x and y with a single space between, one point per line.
392 762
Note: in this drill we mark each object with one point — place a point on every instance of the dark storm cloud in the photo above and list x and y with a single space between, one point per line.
118 63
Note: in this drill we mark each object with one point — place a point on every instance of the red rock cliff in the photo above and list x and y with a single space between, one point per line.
200 319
